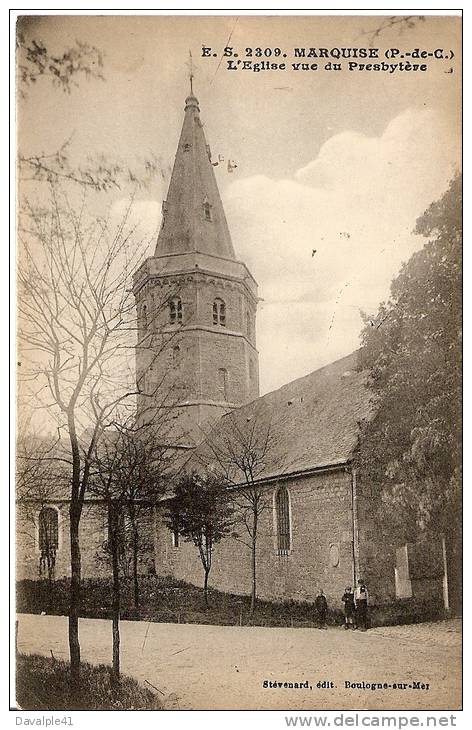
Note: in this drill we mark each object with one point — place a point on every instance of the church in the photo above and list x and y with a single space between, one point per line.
319 530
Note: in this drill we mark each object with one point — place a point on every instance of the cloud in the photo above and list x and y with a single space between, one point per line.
355 205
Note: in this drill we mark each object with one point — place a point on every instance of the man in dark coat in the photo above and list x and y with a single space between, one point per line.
321 606
349 608
362 600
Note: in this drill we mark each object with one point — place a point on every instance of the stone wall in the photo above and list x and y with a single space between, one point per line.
320 556
92 536
201 362
321 553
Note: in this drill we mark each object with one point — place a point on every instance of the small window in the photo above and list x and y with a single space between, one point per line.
219 312
144 317
223 382
187 147
176 354
175 537
282 509
175 310
207 211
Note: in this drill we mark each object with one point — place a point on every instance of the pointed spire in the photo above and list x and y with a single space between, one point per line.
193 215
191 75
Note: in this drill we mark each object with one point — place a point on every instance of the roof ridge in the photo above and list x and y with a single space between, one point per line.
296 380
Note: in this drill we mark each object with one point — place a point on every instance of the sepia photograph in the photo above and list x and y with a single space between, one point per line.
238 474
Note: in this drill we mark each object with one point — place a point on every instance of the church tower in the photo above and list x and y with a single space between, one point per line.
196 303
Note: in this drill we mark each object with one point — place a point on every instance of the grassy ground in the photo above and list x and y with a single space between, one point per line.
162 600
169 600
42 684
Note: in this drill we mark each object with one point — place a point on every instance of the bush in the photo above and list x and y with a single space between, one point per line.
42 683
165 599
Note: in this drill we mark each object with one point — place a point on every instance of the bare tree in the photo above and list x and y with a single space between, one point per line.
65 70
76 330
400 23
242 449
96 172
138 459
128 473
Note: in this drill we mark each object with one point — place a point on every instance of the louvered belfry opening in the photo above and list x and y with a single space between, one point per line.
175 310
219 312
283 521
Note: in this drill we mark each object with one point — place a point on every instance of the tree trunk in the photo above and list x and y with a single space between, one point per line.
205 586
115 546
74 606
135 575
135 560
253 564
135 551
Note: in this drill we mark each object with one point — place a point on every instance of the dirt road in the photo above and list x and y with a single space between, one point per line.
225 667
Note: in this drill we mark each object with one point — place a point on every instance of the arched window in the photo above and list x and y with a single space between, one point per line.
219 312
144 316
176 354
223 382
282 515
175 310
48 535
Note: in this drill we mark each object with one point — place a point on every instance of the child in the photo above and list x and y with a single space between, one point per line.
361 598
349 608
321 606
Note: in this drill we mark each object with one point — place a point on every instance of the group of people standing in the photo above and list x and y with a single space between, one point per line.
355 607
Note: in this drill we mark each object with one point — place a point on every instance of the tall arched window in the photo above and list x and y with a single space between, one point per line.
223 382
219 312
48 535
144 318
175 310
176 355
282 516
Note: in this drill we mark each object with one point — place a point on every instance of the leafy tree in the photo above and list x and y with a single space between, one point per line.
36 61
201 513
410 450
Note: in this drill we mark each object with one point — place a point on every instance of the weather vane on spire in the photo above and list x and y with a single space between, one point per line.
190 71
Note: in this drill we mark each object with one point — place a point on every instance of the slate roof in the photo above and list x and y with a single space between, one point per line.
313 420
193 185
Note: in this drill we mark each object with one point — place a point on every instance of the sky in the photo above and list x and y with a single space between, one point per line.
333 167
